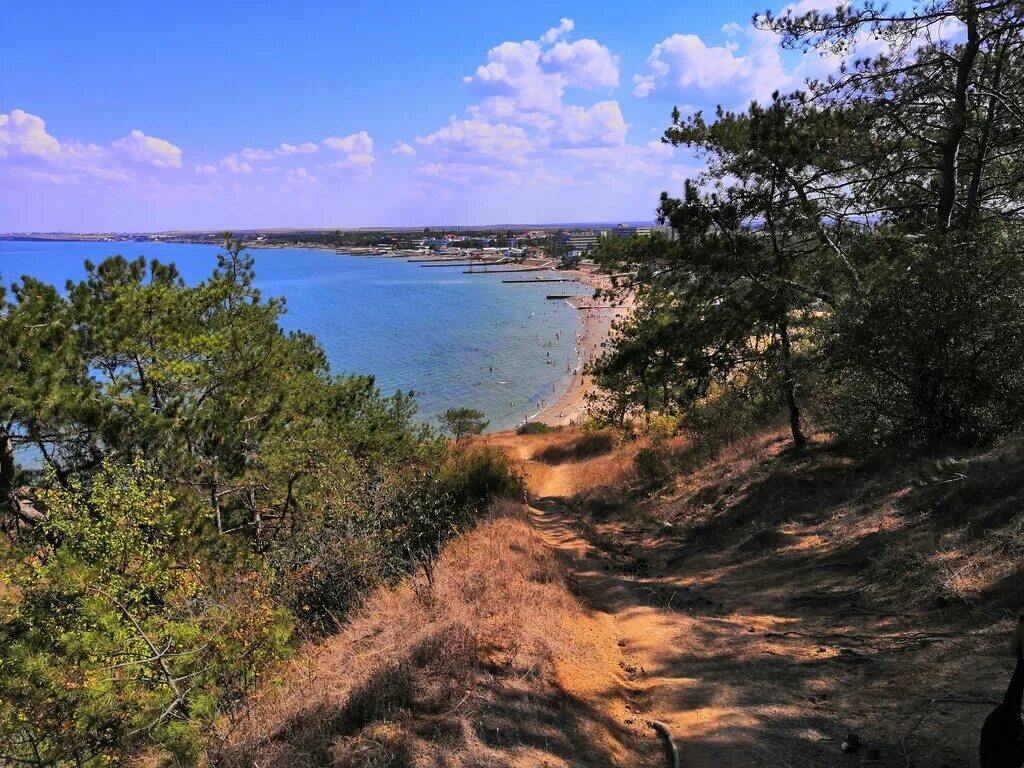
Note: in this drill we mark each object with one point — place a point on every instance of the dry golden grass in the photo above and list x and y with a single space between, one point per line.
479 670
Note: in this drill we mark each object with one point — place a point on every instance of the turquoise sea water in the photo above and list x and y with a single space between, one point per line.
454 339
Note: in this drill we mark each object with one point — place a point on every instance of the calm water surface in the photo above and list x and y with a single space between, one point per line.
454 339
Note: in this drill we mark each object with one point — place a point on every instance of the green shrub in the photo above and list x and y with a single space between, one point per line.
114 637
932 351
535 428
325 570
659 426
729 411
476 476
653 465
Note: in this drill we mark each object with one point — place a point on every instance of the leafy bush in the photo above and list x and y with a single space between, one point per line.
324 571
535 428
932 351
729 411
113 636
653 465
397 525
475 476
659 426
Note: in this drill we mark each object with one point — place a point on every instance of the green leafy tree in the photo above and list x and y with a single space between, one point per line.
113 637
461 423
752 258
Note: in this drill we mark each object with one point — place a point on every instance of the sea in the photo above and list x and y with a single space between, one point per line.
453 339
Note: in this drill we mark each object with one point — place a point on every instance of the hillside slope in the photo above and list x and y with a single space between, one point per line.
763 604
496 664
769 604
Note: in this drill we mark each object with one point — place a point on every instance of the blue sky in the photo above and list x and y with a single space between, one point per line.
149 116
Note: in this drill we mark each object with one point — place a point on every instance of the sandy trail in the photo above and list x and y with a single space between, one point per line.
657 646
758 655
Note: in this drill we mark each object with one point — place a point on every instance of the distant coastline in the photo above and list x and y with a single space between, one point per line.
516 369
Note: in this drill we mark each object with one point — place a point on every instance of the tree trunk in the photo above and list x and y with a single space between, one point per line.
789 387
958 125
9 502
974 192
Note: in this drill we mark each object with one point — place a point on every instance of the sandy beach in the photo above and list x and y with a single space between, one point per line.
597 317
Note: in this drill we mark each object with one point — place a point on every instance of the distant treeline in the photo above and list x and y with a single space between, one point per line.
405 239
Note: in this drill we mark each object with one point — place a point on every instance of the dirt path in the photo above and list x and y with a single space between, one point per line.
754 643
656 644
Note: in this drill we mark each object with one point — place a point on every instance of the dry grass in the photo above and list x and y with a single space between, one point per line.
479 670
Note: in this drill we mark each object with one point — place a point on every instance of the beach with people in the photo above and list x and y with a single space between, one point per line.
569 403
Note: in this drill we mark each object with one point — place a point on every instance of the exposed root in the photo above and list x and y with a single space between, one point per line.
671 750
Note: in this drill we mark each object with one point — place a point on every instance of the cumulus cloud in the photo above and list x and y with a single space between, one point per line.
356 143
30 153
600 125
206 170
564 27
306 148
256 154
25 134
232 164
357 148
480 141
526 81
296 177
680 64
585 63
403 149
149 150
524 129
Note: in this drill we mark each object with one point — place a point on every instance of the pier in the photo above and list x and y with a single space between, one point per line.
461 264
493 271
542 280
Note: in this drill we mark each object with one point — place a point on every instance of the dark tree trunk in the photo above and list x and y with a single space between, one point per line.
789 387
958 125
19 510
974 192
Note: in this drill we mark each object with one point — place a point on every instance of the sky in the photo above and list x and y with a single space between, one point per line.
152 116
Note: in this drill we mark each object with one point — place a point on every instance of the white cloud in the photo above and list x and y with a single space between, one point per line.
306 148
469 174
403 149
255 154
565 27
206 170
25 134
149 150
476 140
525 82
600 125
585 64
30 153
232 164
299 177
680 64
731 29
356 143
